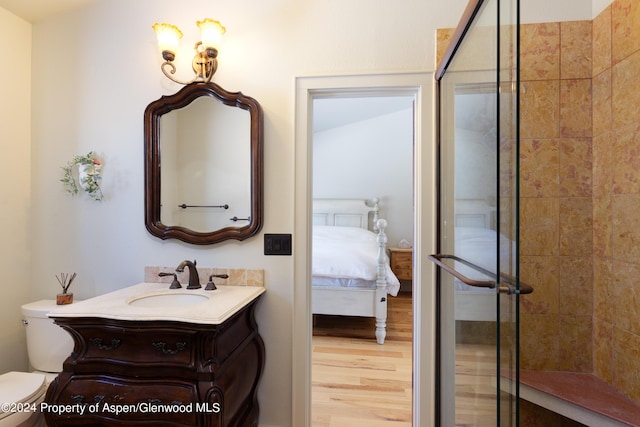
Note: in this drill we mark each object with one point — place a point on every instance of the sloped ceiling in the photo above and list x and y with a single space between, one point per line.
330 113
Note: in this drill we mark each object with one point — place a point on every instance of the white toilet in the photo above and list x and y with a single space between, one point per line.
48 345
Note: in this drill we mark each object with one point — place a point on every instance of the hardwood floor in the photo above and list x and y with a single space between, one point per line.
475 385
356 382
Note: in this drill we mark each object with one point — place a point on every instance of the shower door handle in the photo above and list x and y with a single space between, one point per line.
523 288
438 260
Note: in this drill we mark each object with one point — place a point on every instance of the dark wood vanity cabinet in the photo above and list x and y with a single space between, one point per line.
159 373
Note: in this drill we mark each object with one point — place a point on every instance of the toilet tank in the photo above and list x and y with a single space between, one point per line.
48 345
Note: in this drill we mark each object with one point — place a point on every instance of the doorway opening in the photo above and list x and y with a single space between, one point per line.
421 222
362 154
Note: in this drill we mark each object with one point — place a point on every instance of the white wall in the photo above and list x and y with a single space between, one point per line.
599 6
370 158
535 11
15 186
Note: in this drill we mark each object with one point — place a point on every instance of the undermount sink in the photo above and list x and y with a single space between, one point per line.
167 300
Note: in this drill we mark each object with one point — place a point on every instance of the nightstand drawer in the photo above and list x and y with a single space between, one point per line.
402 263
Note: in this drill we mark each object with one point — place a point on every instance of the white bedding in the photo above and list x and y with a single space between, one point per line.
479 246
347 256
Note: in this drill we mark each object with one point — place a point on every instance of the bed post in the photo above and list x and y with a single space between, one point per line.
376 212
381 283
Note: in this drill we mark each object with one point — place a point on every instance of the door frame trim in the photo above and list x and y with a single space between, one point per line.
422 85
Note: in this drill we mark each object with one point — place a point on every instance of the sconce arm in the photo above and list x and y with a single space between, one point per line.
172 70
204 64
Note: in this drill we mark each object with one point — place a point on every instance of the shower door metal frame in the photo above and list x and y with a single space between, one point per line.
506 284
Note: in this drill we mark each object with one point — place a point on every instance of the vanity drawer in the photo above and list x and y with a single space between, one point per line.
94 399
162 347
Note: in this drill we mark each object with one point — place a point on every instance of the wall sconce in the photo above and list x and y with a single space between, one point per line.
204 62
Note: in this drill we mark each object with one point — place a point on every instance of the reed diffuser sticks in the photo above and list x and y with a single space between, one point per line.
65 281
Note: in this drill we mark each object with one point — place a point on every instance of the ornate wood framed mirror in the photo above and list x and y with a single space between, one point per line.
203 165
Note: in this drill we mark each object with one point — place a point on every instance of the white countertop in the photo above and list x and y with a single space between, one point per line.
220 304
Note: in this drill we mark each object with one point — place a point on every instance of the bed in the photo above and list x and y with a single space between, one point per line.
351 275
476 241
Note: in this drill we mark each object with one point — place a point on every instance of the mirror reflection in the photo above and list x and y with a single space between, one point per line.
203 165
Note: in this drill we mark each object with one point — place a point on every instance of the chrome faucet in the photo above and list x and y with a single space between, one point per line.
194 279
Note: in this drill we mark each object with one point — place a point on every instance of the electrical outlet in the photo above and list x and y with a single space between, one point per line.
277 244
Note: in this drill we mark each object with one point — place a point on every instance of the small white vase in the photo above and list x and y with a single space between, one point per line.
89 178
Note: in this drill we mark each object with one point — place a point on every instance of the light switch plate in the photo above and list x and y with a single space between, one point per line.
277 244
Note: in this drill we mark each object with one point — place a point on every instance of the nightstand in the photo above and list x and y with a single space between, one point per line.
401 261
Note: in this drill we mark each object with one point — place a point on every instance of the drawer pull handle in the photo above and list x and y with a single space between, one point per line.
115 343
78 399
161 346
156 402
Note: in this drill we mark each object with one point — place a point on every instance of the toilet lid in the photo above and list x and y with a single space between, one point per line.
20 387
39 308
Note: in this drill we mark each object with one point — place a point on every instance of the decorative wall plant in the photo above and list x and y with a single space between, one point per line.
89 175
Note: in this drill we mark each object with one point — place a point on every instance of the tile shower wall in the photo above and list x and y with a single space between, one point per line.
580 188
616 196
556 182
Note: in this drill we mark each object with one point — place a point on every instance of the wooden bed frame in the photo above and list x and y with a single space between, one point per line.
354 301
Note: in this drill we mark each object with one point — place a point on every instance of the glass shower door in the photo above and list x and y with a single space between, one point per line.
477 283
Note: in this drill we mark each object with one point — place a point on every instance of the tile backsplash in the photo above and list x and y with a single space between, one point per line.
237 276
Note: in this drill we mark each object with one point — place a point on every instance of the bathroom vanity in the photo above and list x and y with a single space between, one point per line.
145 355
